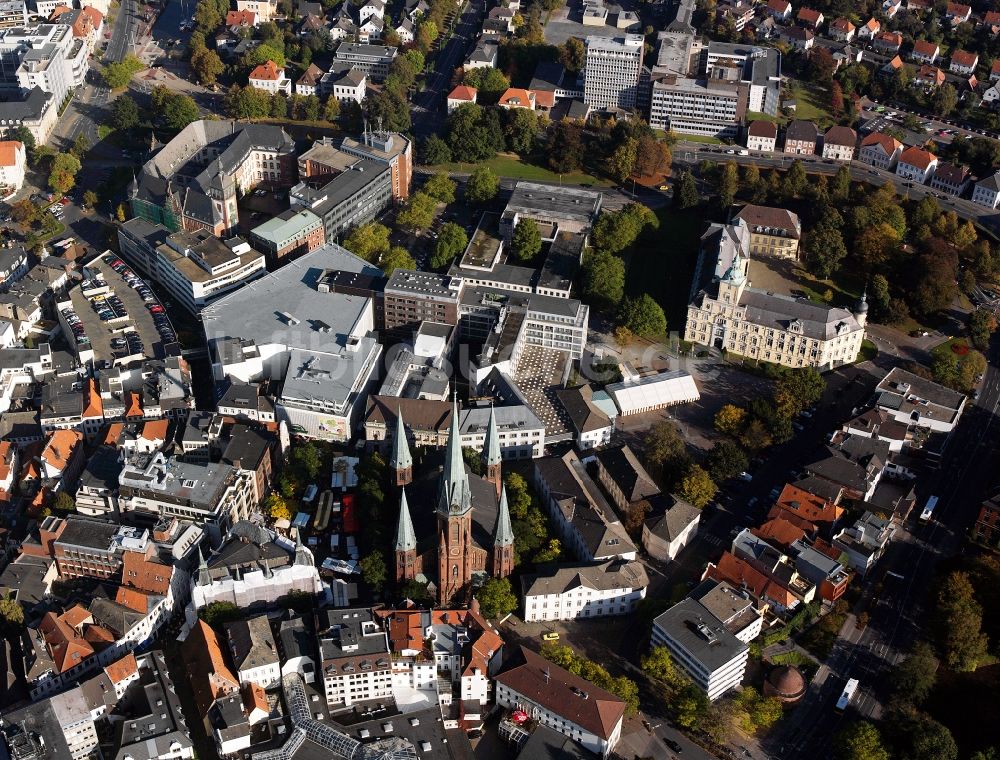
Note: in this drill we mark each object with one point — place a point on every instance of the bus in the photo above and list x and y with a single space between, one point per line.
925 516
847 695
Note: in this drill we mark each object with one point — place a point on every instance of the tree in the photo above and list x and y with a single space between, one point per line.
860 741
697 487
726 460
621 162
261 54
125 112
11 611
247 103
180 110
603 278
824 248
836 99
64 502
982 325
518 495
89 199
397 258
840 188
118 75
206 65
415 591
331 108
489 81
62 176
277 507
659 664
526 240
945 100
615 231
573 55
728 183
374 571
652 157
24 212
452 240
959 623
917 736
217 614
730 419
550 552
878 298
482 186
796 180
643 316
436 151
23 135
566 147
369 241
307 459
797 389
686 191
520 129
440 187
496 598
427 32
913 679
419 212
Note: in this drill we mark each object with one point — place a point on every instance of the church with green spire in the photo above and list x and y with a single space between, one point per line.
454 527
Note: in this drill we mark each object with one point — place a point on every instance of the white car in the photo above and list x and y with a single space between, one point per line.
746 477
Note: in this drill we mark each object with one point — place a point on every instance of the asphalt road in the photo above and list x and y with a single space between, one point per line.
427 109
123 32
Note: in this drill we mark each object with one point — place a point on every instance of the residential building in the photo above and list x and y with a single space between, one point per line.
561 701
592 424
914 400
957 13
355 663
880 150
810 18
701 645
37 112
950 178
345 82
571 592
916 164
271 79
779 9
842 29
929 76
309 82
825 572
254 652
517 97
664 535
263 10
800 138
483 56
708 107
13 265
870 29
612 71
839 142
193 182
987 527
963 63
986 191
290 233
865 542
196 268
727 313
805 510
797 36
888 42
762 136
586 522
773 231
734 606
461 95
13 162
925 52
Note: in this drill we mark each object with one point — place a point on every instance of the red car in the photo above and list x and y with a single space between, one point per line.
156 308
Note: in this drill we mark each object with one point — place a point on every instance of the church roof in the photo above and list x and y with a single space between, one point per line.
406 538
492 451
401 458
454 494
504 534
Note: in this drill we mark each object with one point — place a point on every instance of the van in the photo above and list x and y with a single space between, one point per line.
310 494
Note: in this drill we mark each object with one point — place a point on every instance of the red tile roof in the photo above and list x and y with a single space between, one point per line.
463 92
64 645
917 157
145 573
808 15
267 72
763 128
122 669
240 18
888 143
963 58
803 508
780 531
210 676
925 48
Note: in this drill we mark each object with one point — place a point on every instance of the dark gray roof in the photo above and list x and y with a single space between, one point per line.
88 532
601 576
103 469
628 473
251 643
148 719
29 109
801 130
548 744
693 628
674 521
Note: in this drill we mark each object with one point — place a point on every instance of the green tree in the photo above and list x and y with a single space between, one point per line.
860 741
419 212
879 298
550 552
697 487
374 571
11 611
520 130
427 32
496 598
917 736
80 146
118 75
206 65
23 135
686 191
659 664
261 54
526 240
566 147
726 460
840 188
796 180
913 679
959 622
518 495
573 55
797 389
397 258
440 187
369 241
277 507
436 151
217 614
331 108
982 325
945 100
62 176
621 162
90 199
279 106
730 419
124 112
415 591
307 460
179 111
603 278
482 186
452 240
643 316
617 230
489 81
824 248
64 502
247 103
652 157
728 184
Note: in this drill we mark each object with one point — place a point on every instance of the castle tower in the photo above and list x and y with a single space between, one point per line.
734 280
491 454
406 544
503 541
454 513
860 309
401 462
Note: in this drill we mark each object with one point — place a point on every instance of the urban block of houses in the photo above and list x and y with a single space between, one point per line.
762 136
839 142
880 150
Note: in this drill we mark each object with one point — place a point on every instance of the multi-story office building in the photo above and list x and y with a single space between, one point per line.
709 107
760 70
355 661
290 233
612 71
374 60
390 148
195 267
352 197
412 298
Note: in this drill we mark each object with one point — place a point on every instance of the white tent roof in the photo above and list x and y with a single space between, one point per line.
662 389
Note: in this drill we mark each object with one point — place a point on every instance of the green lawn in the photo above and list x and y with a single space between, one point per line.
508 165
811 103
757 116
846 286
662 262
700 139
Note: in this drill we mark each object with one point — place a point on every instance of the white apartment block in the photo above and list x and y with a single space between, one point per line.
356 664
916 164
265 9
708 107
569 592
986 192
46 56
13 161
611 75
880 151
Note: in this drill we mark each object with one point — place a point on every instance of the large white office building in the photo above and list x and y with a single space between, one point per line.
613 67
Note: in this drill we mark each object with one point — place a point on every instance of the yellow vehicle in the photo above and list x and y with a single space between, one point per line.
664 187
550 636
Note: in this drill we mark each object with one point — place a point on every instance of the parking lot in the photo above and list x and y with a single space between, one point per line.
120 321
